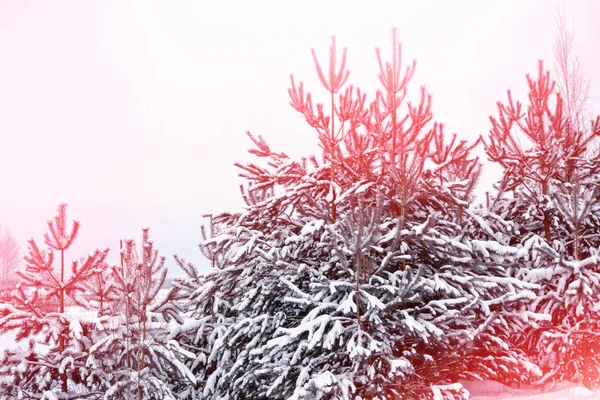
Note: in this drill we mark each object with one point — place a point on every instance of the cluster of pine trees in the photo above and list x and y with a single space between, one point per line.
366 273
112 344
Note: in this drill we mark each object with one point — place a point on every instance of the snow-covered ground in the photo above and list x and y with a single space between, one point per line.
573 393
488 390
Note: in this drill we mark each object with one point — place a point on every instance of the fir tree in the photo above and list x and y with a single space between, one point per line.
357 276
548 203
133 358
52 356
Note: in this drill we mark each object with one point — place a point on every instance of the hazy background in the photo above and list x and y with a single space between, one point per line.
134 112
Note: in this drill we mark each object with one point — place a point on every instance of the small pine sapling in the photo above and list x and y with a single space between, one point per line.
54 358
143 363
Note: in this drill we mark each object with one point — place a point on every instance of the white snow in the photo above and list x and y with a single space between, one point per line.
75 328
48 395
489 390
324 380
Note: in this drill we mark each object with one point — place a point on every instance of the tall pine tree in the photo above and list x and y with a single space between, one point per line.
358 275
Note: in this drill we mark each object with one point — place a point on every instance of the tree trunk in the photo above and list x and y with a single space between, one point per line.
357 297
333 206
63 376
546 215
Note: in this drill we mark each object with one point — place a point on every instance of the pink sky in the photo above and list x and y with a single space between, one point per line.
134 112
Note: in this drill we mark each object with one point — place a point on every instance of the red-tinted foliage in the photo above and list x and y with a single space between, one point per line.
41 275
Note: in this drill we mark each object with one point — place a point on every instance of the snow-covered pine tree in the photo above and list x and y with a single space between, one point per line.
133 358
354 276
51 355
199 323
548 201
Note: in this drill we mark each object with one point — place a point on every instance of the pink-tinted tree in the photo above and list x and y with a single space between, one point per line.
55 356
542 154
135 359
358 275
548 203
